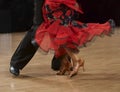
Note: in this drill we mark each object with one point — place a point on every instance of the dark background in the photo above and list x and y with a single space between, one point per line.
17 15
101 10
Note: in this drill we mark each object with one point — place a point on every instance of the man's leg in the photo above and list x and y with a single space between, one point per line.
23 54
26 50
56 63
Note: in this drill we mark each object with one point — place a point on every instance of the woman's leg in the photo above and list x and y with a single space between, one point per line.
77 62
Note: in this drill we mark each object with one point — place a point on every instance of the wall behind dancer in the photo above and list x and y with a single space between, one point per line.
100 10
20 13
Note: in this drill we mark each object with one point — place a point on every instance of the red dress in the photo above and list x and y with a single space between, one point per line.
61 30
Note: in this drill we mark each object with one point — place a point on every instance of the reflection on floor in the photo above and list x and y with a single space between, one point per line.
5 43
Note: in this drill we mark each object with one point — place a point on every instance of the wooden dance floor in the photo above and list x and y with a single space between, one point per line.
102 68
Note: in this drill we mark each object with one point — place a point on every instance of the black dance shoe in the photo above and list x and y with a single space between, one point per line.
14 71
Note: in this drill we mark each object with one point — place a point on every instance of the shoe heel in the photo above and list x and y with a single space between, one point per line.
82 63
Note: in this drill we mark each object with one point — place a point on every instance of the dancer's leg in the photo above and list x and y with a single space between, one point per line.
77 62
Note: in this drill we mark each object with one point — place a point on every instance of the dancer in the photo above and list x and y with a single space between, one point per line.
62 33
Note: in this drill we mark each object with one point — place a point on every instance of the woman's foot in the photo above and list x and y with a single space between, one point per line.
80 63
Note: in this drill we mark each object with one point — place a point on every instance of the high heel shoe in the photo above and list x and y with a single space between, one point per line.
80 63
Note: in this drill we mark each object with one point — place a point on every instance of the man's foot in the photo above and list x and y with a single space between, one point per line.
14 71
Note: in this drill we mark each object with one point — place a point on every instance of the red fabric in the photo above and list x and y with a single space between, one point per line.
70 3
55 36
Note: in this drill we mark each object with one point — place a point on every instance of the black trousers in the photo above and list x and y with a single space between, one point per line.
26 50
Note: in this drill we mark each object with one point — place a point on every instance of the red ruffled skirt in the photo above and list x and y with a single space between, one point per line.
53 36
